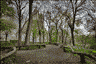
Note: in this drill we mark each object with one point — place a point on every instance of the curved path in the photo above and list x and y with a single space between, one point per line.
50 55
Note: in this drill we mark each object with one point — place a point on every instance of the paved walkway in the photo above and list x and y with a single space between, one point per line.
50 55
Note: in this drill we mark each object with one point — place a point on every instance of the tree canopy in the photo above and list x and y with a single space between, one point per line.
7 25
6 10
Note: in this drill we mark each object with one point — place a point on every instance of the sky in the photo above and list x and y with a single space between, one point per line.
46 6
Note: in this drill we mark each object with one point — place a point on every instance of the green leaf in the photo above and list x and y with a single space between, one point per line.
76 31
7 25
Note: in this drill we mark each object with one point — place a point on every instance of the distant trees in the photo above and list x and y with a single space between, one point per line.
5 11
41 17
93 25
20 19
18 4
34 29
7 26
49 26
40 24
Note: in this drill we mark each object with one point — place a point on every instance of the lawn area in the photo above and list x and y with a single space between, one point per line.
31 47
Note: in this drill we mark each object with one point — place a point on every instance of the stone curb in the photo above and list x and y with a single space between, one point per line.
8 54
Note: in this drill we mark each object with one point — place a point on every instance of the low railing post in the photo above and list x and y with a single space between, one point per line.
82 58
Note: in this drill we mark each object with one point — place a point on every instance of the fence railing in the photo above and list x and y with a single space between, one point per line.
81 54
7 55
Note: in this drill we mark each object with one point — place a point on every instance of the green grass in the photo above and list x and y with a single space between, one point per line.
94 51
68 50
75 54
39 43
31 47
81 50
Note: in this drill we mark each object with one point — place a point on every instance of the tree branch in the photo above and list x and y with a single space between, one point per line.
91 17
81 3
25 5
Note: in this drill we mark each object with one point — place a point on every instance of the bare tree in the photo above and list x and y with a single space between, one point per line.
55 20
41 17
30 21
56 23
49 26
74 10
93 25
26 20
18 6
41 23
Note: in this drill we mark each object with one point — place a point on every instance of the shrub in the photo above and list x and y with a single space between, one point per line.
93 46
13 41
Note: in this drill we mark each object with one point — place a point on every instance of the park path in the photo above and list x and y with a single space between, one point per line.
50 55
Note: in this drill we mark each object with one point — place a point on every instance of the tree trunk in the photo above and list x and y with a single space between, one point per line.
0 35
56 33
72 37
49 38
82 58
40 36
65 40
95 31
29 23
33 37
29 38
19 38
62 36
6 36
95 35
19 35
0 21
43 36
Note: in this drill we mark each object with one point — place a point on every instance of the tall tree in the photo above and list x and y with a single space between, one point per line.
19 14
74 10
26 20
30 21
18 4
5 10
